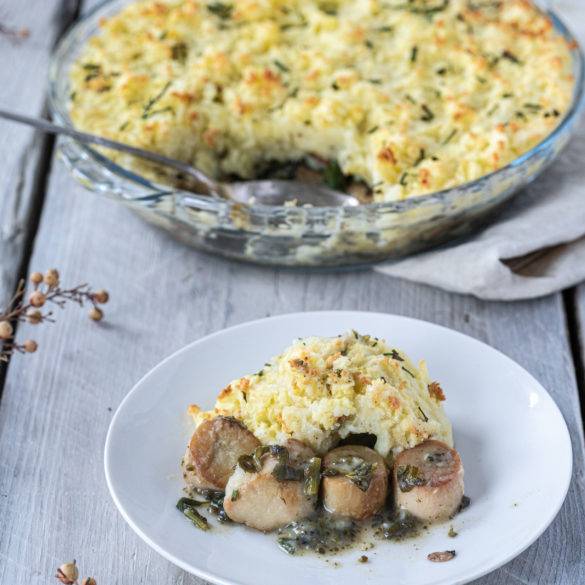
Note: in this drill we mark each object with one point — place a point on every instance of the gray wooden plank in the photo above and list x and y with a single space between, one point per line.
579 333
23 82
56 405
55 410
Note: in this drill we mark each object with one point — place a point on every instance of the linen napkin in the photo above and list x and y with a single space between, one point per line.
536 246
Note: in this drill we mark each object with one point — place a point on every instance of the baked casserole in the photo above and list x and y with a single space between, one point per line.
397 98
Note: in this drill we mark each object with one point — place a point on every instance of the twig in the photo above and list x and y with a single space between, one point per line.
46 289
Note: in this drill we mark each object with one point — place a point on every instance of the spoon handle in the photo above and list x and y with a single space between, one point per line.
50 128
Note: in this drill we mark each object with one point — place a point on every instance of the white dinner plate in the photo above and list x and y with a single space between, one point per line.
512 438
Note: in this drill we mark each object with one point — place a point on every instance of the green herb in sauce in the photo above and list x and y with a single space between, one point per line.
409 477
214 500
286 472
323 534
187 507
356 469
312 475
399 526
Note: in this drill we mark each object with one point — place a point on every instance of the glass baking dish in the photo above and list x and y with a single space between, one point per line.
293 236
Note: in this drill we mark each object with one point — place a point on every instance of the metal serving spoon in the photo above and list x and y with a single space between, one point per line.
265 192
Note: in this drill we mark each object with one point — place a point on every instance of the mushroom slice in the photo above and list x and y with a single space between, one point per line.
214 450
260 500
428 481
355 481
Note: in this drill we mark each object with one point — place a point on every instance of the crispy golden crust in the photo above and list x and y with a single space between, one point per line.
408 99
322 389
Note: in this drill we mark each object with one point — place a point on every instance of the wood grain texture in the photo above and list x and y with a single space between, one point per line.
57 404
55 410
23 82
579 334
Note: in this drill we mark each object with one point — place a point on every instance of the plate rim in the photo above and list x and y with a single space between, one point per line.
217 580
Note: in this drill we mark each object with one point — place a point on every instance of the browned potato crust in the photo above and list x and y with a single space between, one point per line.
341 496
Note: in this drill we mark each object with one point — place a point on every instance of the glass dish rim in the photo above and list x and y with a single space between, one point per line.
60 114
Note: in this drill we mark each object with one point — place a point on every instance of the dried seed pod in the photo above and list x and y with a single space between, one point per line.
96 314
88 581
101 297
51 277
34 317
68 573
30 346
37 299
6 330
36 278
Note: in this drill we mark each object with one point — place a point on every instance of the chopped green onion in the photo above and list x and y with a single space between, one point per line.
187 507
281 66
334 177
428 114
312 477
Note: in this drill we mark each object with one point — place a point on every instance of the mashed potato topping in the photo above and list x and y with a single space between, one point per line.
320 390
408 96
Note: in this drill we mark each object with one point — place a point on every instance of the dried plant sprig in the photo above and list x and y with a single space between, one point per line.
68 574
46 290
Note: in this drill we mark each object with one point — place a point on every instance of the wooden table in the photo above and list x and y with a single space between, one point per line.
57 404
